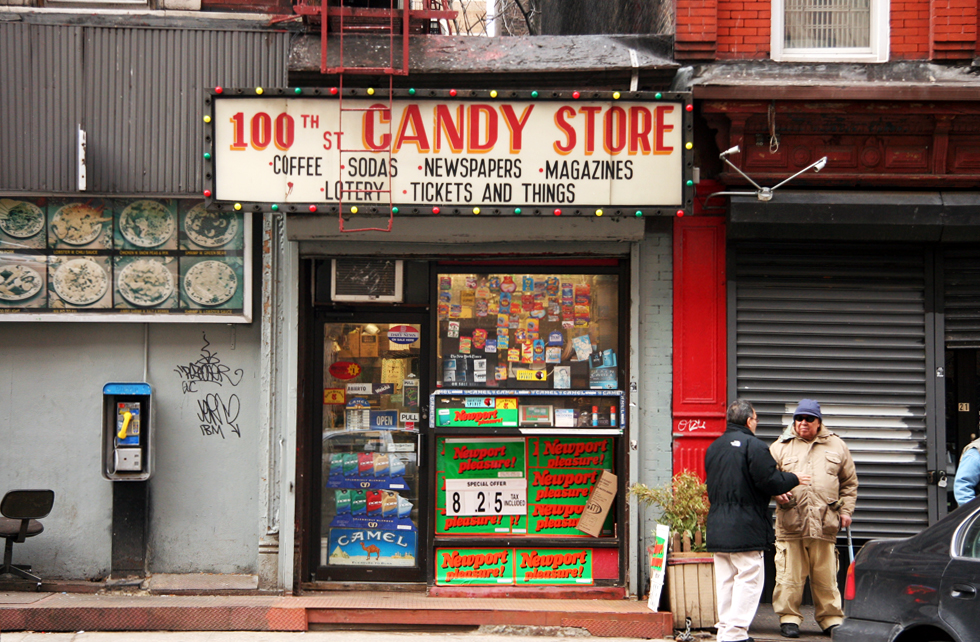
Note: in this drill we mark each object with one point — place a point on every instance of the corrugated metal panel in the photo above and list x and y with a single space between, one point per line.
139 94
40 104
845 327
146 134
961 276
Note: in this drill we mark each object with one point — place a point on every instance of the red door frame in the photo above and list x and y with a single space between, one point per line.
700 335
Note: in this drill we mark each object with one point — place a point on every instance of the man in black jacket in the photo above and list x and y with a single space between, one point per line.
742 476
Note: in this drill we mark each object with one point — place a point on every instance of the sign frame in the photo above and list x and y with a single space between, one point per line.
217 167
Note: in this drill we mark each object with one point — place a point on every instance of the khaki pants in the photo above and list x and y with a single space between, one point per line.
795 560
738 587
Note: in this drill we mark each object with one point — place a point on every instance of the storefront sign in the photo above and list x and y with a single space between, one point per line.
532 375
481 458
473 475
561 474
514 566
474 566
403 334
486 496
370 388
334 396
344 370
147 260
357 547
461 417
553 566
571 452
447 152
384 419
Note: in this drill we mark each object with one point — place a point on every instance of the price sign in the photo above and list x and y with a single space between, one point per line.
486 496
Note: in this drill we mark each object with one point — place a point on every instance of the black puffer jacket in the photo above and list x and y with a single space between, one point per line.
742 477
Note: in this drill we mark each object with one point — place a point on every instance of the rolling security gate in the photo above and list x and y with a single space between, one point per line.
961 276
846 326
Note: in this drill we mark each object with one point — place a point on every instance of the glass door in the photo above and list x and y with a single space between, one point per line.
373 498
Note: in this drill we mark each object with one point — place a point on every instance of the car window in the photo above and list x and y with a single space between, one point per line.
970 542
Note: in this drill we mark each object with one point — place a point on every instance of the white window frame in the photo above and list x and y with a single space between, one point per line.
876 52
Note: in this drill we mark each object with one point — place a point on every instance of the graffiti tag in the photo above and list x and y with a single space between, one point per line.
691 425
207 369
216 415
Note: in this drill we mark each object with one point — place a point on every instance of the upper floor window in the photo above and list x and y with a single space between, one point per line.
830 30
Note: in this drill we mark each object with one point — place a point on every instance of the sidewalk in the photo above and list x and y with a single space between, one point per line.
73 612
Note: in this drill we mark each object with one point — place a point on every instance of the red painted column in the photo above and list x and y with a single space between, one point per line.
699 402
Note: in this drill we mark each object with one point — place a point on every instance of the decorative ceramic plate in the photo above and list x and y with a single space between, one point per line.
210 229
19 282
78 223
210 283
146 223
146 282
20 219
80 281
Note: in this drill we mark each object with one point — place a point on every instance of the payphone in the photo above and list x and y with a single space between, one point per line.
127 453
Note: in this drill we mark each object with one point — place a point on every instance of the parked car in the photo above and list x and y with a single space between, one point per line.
920 589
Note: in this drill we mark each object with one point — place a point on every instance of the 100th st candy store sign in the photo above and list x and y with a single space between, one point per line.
490 153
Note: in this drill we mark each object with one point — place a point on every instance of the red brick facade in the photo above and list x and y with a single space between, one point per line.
740 29
952 29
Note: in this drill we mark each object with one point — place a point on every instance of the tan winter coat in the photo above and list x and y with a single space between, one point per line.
814 512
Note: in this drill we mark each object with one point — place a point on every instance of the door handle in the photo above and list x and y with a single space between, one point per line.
964 591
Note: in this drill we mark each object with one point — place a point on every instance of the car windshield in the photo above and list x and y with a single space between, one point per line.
968 544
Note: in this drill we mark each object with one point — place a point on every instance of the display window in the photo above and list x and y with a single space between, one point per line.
522 330
518 476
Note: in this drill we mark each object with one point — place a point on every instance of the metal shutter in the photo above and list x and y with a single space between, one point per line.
845 326
961 277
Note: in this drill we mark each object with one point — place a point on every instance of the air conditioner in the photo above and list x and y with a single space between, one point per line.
371 280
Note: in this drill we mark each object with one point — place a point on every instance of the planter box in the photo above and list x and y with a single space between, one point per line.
691 589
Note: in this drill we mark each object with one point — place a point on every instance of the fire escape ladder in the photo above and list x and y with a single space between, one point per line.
360 21
393 22
359 192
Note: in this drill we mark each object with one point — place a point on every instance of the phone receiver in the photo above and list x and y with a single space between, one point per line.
122 431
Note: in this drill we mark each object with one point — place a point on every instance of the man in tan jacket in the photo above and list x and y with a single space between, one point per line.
808 519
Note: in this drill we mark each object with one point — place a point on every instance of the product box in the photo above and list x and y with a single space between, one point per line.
599 504
368 345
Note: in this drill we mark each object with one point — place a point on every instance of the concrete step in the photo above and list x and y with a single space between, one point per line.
140 611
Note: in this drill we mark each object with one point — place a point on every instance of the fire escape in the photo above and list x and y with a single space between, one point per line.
378 21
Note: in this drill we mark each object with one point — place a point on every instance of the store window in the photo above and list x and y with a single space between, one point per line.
523 330
830 30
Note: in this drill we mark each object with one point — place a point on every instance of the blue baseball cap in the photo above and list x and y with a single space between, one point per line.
808 407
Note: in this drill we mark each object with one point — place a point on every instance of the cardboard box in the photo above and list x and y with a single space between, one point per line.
600 501
369 345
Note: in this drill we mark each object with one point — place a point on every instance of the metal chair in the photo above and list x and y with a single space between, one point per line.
21 509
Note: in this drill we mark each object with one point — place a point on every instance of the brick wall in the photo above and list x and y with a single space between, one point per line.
909 29
953 29
744 30
697 29
654 357
740 30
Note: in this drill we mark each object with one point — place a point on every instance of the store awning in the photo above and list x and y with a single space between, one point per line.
936 217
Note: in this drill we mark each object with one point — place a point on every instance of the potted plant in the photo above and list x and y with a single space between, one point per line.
683 506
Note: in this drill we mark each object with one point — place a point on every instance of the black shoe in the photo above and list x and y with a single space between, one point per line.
789 630
830 629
